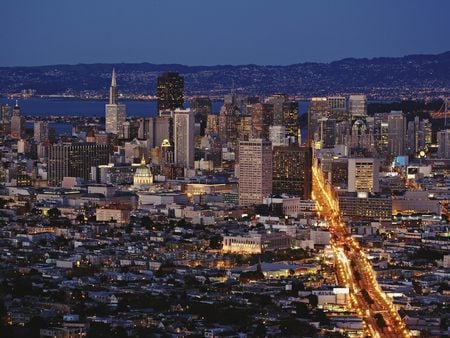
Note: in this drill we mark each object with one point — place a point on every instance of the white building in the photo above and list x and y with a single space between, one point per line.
183 136
115 114
256 243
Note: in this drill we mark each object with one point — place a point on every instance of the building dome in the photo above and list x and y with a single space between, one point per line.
165 143
143 175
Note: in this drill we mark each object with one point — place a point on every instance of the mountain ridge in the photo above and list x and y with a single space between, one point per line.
417 75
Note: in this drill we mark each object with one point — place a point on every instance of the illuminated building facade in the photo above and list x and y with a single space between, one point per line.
291 171
183 136
363 174
75 160
115 113
255 171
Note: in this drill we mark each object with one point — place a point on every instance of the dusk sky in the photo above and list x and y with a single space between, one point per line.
209 32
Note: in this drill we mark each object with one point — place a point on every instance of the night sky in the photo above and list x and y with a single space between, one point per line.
208 32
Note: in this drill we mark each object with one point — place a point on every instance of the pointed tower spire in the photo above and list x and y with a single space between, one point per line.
17 103
113 88
113 79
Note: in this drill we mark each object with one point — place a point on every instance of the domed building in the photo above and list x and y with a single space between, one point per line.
143 175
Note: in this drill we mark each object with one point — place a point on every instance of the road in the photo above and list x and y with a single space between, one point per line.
354 270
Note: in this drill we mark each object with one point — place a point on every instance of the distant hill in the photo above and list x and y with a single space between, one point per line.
409 76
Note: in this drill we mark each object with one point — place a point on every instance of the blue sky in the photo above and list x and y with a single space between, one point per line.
209 32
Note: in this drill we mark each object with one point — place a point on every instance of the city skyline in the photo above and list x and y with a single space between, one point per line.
251 33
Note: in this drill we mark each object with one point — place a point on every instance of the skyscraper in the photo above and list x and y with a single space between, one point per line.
318 109
255 171
115 113
229 118
262 119
290 121
5 119
170 91
291 171
17 122
337 105
277 100
183 135
357 105
443 141
75 160
40 131
396 133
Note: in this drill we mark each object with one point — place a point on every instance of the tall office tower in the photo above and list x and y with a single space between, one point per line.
183 137
357 105
396 133
337 106
411 138
201 107
170 91
212 124
5 119
17 122
255 171
278 100
41 131
262 119
115 113
361 136
75 160
163 130
245 128
229 118
443 141
363 174
291 171
381 132
6 112
318 109
277 135
290 121
425 134
327 132
146 130
247 103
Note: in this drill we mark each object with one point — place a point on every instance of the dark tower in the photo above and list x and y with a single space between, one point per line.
170 91
291 171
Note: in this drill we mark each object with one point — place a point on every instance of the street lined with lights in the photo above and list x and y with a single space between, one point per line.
354 270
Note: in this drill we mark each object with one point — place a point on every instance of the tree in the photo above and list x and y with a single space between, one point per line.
146 222
215 242
260 330
301 309
313 300
35 325
54 213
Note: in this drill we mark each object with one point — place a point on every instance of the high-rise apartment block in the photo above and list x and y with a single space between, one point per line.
183 137
255 171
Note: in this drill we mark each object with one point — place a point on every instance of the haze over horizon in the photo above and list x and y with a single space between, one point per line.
218 33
